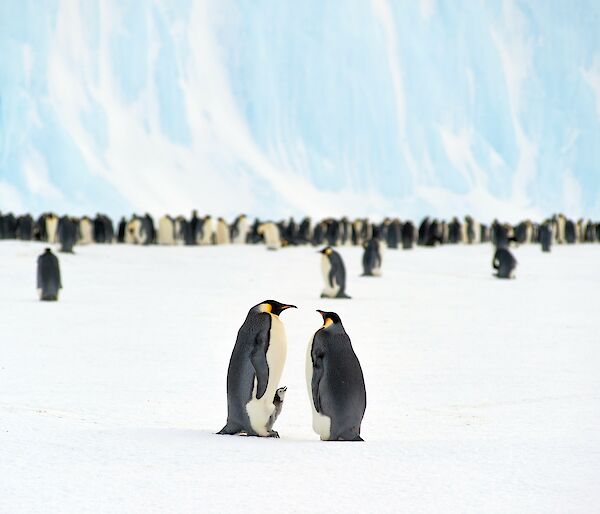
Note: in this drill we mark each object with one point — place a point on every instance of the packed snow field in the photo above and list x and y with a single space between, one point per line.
483 395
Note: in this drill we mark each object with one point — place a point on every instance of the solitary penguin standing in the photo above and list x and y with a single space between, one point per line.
48 276
335 382
504 263
254 371
372 258
334 274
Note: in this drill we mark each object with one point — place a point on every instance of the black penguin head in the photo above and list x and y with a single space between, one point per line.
326 251
330 319
48 250
273 307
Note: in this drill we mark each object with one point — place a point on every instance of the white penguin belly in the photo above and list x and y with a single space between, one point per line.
165 232
325 269
260 409
51 226
321 424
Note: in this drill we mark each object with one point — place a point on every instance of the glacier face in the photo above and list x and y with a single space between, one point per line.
277 108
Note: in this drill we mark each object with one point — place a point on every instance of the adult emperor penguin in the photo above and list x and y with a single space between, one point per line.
222 232
240 229
335 382
166 230
545 235
67 234
334 274
372 258
255 369
504 263
48 276
271 234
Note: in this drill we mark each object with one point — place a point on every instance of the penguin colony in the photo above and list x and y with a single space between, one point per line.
334 378
69 231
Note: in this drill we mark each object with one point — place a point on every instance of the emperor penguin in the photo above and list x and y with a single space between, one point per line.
408 235
51 223
504 263
270 232
166 230
334 274
372 258
67 234
278 403
222 232
546 236
570 232
335 382
48 276
240 229
254 371
207 231
86 231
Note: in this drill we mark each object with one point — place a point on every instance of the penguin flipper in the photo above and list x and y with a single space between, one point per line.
258 358
317 359
331 278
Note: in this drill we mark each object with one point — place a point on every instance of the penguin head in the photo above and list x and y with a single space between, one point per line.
274 307
326 251
280 393
330 319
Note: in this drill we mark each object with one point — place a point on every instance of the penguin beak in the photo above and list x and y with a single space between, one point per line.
288 307
322 313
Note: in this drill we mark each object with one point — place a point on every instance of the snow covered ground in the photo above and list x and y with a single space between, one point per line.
482 395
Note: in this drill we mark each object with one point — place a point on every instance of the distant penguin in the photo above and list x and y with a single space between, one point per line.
134 231
504 263
278 403
51 228
570 232
86 231
48 276
454 231
408 235
67 234
305 231
546 236
222 232
270 232
240 230
335 382
393 234
371 260
334 274
166 231
208 231
254 371
25 227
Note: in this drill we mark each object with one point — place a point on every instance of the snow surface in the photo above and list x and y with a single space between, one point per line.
483 395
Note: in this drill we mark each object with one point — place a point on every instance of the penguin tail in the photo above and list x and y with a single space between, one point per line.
359 438
228 430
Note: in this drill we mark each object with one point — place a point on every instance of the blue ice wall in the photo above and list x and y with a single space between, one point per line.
276 107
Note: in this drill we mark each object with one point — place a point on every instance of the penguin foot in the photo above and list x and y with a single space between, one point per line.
227 430
274 434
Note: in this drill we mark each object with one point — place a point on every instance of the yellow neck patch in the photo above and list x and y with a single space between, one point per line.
328 322
266 307
328 251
